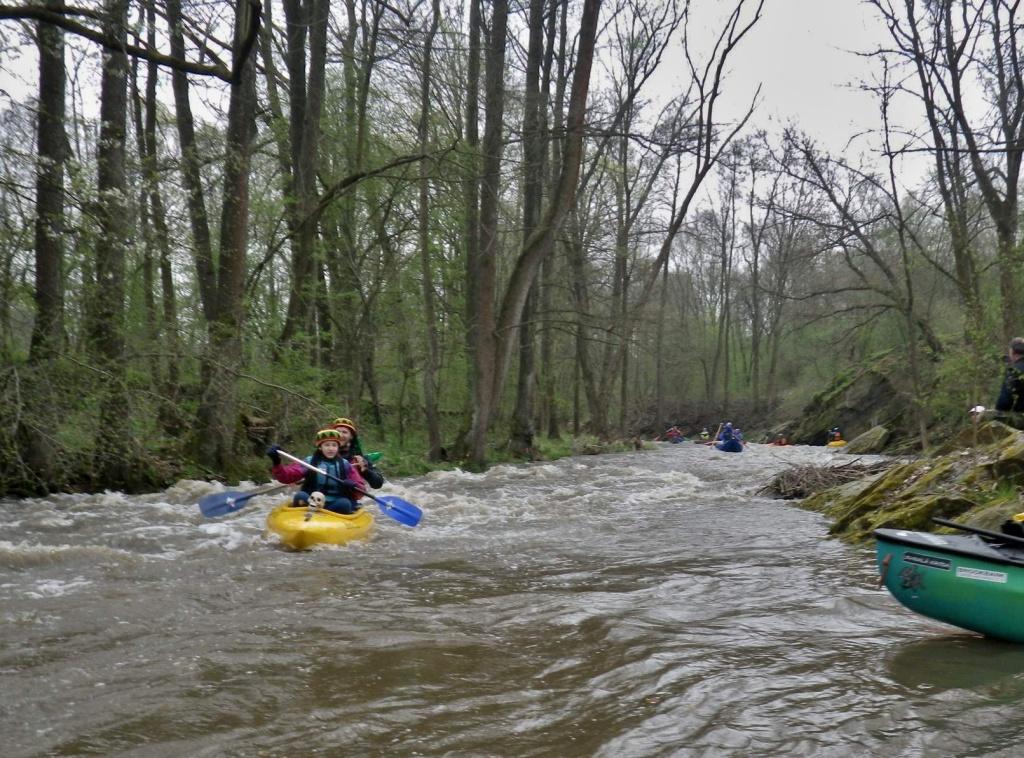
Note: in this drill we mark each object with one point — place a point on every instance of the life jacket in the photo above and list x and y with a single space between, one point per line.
315 481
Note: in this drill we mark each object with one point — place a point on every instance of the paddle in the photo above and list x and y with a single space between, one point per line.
400 510
223 503
715 438
1015 541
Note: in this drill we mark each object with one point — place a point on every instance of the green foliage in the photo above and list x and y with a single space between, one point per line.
962 381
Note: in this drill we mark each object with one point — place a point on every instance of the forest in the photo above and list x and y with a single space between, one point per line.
478 227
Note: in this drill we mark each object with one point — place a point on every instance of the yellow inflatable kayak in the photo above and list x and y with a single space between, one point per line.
835 443
321 528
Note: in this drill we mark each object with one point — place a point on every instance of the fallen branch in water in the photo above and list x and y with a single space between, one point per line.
800 481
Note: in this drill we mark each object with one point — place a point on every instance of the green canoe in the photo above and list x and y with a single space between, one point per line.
974 581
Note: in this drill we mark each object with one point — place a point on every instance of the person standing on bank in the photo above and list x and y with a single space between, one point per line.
1011 396
352 452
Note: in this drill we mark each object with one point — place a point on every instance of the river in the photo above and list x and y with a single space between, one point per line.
644 604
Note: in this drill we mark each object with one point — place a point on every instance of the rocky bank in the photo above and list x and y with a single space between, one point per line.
975 478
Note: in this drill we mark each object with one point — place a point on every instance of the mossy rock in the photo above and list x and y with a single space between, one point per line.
822 501
872 441
984 434
866 396
1009 466
914 513
994 513
981 485
927 477
845 507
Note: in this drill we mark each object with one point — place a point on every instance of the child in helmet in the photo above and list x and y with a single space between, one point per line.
352 451
340 496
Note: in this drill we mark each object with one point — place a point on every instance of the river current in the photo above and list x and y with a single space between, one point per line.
644 604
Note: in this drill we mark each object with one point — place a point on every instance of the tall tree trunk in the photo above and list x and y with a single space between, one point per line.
558 9
492 366
346 295
305 106
485 350
521 441
48 330
206 275
433 351
660 422
216 416
146 227
48 339
159 235
471 159
620 288
113 440
585 374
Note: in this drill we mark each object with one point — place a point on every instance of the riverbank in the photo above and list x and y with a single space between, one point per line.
974 478
158 471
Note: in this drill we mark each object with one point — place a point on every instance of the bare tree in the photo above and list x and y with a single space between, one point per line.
48 337
521 441
307 28
944 45
48 331
113 441
215 427
433 351
206 276
495 349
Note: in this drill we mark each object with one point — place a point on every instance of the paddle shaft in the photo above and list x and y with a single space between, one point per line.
1016 541
715 438
311 467
266 491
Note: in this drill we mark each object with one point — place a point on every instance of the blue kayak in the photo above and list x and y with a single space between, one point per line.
730 446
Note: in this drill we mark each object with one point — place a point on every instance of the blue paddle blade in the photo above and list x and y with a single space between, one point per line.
223 503
400 510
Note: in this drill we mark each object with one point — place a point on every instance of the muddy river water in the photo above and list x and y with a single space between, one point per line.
644 604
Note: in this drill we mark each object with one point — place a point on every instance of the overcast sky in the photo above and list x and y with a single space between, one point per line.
800 52
803 53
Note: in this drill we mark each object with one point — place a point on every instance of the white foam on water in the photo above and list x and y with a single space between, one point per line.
453 475
51 521
524 471
56 587
108 499
29 555
228 535
666 486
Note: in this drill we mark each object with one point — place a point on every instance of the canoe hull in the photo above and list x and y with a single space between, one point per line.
729 446
959 579
322 528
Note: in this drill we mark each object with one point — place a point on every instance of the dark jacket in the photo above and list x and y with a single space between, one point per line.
1011 396
372 476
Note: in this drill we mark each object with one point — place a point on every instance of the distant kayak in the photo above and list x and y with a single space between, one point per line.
730 446
835 443
320 528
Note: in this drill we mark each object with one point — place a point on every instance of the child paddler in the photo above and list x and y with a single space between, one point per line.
352 451
341 496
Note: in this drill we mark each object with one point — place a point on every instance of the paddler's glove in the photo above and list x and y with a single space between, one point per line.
273 456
